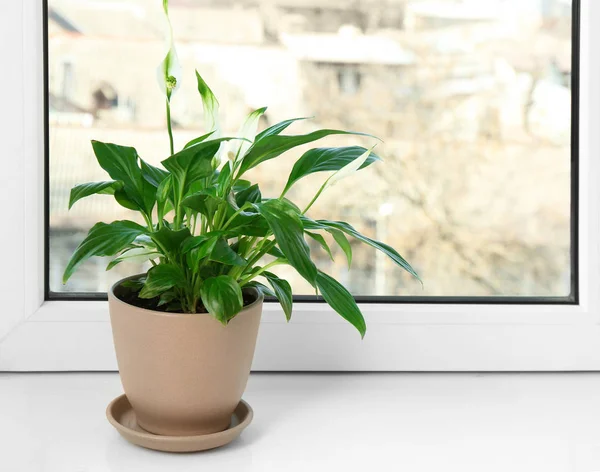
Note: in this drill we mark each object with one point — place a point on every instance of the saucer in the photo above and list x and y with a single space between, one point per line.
121 415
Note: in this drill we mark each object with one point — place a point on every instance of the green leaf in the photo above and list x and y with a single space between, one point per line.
135 285
162 191
277 128
240 185
205 201
223 179
121 163
138 254
198 140
249 224
197 248
167 297
170 242
152 174
269 147
85 190
275 252
326 159
195 255
321 240
223 253
348 169
342 301
222 297
263 288
103 240
161 278
248 195
348 229
123 199
289 234
343 243
283 292
191 164
195 241
162 197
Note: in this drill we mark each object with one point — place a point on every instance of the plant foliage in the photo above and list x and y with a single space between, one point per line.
207 229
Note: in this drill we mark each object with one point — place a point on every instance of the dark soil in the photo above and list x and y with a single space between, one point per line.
130 297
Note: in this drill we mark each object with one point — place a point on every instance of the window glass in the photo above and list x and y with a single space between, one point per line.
472 100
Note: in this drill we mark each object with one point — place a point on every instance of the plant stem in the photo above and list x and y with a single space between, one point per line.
228 222
314 199
169 128
260 271
261 249
148 220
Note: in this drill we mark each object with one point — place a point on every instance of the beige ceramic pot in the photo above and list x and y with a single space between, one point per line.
184 374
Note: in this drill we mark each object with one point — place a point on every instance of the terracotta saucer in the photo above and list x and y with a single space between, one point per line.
121 415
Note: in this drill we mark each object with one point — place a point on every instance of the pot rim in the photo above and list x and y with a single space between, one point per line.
111 296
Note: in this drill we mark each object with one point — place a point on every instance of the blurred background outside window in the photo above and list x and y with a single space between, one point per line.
471 98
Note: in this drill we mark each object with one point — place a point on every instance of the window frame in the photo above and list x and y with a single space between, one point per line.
38 332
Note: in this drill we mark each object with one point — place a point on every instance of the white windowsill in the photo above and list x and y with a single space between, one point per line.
324 422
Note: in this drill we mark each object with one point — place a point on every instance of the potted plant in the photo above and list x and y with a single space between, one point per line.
185 331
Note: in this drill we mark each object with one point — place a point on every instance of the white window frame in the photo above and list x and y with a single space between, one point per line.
38 335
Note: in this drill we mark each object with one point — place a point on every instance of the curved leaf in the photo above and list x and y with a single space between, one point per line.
121 163
123 199
135 285
342 301
343 243
161 278
198 252
222 297
249 224
277 128
167 297
224 178
196 241
349 168
271 146
241 184
103 240
283 292
152 174
263 288
170 242
321 240
275 252
191 164
326 159
162 197
101 188
348 229
223 253
250 195
198 140
289 234
138 254
205 201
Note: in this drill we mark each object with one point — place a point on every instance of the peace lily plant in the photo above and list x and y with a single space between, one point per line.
185 331
208 229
